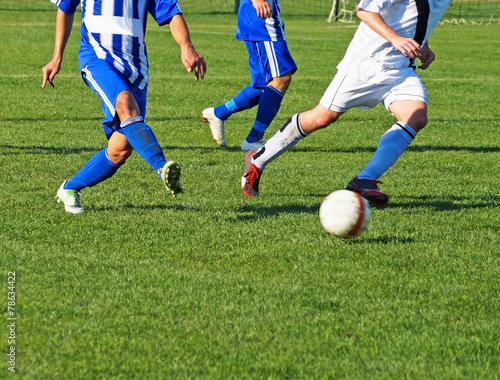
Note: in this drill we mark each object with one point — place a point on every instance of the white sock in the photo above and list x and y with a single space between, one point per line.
288 136
390 147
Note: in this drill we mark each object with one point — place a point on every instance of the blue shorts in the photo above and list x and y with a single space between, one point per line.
107 82
268 60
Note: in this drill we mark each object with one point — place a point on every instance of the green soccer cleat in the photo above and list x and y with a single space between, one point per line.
70 199
170 175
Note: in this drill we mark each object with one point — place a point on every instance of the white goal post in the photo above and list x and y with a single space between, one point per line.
340 14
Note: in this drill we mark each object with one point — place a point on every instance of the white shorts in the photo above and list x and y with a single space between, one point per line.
345 92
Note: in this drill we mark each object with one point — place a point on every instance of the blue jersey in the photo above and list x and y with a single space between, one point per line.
252 28
113 30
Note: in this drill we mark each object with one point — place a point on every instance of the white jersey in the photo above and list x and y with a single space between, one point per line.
370 57
113 30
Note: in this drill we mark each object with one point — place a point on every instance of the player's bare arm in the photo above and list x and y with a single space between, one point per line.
64 24
427 56
191 60
408 46
263 9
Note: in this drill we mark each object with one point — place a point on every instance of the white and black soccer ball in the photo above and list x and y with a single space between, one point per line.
345 213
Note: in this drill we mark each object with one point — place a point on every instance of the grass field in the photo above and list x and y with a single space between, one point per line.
216 285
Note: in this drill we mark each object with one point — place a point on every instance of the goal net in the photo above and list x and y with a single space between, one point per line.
460 11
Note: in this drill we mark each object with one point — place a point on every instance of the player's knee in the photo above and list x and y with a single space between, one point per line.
318 118
418 121
281 83
322 122
126 105
286 79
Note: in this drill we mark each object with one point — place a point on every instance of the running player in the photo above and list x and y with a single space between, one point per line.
271 69
378 67
113 63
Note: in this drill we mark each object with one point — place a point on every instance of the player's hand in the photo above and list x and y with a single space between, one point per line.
49 72
194 62
426 56
408 46
263 9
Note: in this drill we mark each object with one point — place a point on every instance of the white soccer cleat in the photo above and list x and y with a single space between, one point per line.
247 147
71 200
216 126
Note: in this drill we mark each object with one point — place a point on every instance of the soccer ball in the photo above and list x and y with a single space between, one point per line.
345 213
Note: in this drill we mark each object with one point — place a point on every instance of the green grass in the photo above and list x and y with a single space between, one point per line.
216 285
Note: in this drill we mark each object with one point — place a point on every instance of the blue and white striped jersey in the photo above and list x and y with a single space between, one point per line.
252 28
114 30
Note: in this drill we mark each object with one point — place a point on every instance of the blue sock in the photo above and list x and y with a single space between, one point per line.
96 170
269 105
255 134
143 140
247 98
390 147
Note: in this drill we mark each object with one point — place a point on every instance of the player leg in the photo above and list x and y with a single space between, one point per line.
412 117
142 139
408 103
272 61
106 162
116 94
342 94
99 168
124 107
269 105
295 129
247 98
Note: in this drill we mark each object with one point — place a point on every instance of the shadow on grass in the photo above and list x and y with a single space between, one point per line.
130 206
452 203
453 148
252 213
42 149
382 240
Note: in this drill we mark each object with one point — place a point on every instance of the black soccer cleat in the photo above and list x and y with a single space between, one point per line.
368 189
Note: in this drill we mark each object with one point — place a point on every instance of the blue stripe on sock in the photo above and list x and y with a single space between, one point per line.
247 98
